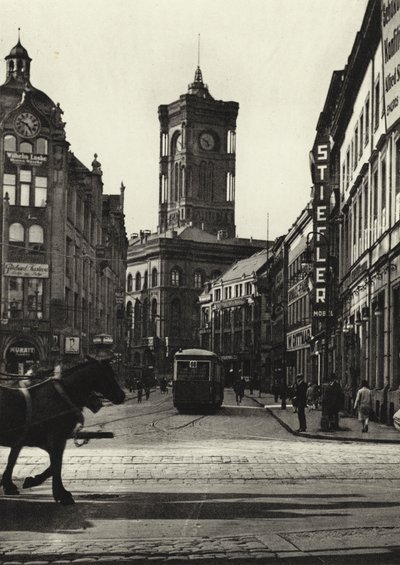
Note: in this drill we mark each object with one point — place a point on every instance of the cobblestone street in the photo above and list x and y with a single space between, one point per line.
183 497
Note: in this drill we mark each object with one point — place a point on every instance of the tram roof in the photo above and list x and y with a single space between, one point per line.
195 353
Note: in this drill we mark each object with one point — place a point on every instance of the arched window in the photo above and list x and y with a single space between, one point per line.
145 280
154 277
129 283
210 182
129 312
41 145
10 143
138 281
175 277
137 319
203 180
176 323
16 233
198 279
145 318
153 310
36 234
176 182
25 147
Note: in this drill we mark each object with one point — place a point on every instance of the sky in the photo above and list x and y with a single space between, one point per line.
111 63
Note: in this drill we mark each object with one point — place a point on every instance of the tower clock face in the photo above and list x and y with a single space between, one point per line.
207 141
26 124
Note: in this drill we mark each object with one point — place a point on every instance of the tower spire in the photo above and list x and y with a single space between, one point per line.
19 35
198 51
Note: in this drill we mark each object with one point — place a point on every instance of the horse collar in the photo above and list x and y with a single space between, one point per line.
61 391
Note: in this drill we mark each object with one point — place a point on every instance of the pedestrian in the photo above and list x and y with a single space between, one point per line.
275 391
251 385
283 393
147 390
364 405
300 399
310 396
238 387
139 388
334 399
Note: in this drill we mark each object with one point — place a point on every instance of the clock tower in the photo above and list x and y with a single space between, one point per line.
197 161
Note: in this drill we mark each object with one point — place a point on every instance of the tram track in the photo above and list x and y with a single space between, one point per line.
192 422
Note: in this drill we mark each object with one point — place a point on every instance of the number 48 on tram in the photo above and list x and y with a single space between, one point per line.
198 380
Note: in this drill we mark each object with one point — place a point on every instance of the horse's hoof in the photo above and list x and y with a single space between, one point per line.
10 490
29 482
65 500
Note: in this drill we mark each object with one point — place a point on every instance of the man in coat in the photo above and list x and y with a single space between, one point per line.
300 395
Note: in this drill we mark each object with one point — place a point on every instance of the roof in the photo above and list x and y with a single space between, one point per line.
246 267
195 353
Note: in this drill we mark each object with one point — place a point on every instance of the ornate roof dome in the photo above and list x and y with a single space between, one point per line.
18 83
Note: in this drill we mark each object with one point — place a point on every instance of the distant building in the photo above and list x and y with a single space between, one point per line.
196 237
235 319
63 243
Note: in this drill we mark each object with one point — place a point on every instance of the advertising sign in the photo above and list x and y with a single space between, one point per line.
30 159
72 345
321 202
31 270
391 59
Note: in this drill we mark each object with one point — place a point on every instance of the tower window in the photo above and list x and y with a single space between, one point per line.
231 142
154 277
138 281
175 277
230 187
198 279
129 283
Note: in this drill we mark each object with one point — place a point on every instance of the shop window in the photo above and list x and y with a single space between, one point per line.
35 297
40 191
10 143
15 297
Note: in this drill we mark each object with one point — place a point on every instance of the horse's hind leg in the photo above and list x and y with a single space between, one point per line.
56 451
6 480
37 479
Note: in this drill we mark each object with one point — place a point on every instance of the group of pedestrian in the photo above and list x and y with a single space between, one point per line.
140 388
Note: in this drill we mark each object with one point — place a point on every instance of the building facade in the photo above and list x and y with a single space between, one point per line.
196 237
63 257
235 319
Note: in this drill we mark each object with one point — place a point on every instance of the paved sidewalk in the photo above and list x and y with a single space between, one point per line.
350 428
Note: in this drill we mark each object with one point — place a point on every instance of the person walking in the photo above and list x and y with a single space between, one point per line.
363 403
334 401
300 398
147 390
310 397
238 387
139 387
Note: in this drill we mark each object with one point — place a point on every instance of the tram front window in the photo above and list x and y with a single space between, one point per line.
192 370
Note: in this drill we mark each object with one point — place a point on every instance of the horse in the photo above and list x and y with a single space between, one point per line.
45 415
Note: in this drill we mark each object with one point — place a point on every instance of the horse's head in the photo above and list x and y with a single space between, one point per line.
106 383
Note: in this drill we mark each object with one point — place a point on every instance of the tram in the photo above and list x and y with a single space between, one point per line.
198 382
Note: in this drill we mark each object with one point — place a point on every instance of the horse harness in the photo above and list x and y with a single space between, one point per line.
24 389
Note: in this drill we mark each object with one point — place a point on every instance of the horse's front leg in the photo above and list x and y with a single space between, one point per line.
6 480
37 479
56 451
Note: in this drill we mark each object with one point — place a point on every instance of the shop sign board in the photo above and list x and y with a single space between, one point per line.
391 60
27 159
321 209
31 270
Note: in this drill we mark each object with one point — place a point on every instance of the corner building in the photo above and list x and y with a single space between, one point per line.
366 149
195 239
63 242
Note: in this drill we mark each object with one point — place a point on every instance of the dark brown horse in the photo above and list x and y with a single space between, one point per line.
45 415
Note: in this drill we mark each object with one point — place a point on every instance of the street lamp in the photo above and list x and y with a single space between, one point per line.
307 260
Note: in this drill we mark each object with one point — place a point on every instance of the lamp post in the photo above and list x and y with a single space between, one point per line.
308 260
